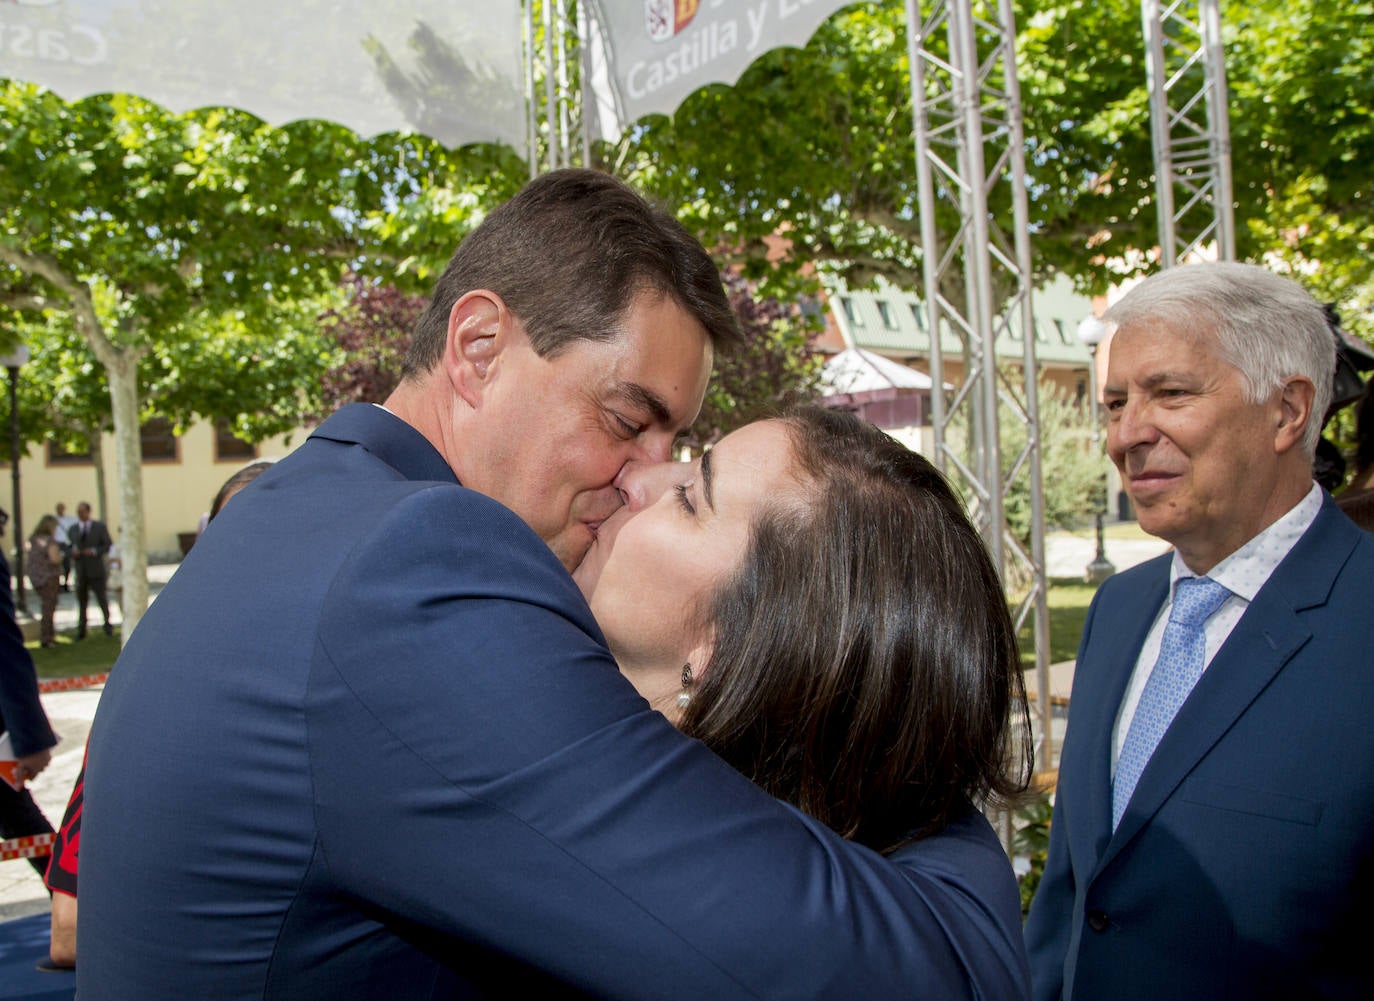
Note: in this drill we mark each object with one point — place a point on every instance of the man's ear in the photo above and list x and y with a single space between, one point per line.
473 343
1295 411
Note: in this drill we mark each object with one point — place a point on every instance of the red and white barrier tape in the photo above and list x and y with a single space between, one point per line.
69 684
33 846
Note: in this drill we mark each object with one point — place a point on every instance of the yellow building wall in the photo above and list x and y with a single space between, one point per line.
176 492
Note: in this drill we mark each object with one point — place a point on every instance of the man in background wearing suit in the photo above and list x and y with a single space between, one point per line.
90 542
1213 830
22 720
369 743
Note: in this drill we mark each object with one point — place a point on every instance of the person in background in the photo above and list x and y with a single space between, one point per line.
23 722
235 483
61 874
43 562
1213 827
65 523
1357 499
90 541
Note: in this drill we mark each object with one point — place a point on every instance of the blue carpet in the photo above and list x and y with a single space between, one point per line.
23 942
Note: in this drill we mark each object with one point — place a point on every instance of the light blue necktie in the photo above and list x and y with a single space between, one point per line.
1180 662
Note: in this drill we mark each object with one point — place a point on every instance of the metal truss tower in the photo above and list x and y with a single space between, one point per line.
1192 138
970 159
554 44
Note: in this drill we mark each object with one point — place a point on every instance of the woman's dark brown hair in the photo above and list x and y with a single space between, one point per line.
865 665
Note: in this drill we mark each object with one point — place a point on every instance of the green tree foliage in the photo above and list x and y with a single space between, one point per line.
1032 843
148 231
773 365
817 142
1074 473
371 331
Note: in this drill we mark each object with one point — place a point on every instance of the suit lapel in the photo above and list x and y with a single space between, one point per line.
1114 639
1264 640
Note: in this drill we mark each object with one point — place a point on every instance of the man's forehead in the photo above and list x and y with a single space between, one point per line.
1143 350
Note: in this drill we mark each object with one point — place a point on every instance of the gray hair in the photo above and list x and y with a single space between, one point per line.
1267 327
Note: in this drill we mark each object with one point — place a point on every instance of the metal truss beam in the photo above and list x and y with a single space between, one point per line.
970 157
1186 69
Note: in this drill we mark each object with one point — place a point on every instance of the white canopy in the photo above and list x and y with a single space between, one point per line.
855 370
450 69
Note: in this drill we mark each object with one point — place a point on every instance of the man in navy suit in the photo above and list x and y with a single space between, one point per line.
22 719
1213 830
369 742
91 543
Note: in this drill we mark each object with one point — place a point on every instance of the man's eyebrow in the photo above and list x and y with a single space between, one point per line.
1161 378
1151 381
641 396
706 473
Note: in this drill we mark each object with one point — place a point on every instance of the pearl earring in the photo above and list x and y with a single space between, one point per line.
684 697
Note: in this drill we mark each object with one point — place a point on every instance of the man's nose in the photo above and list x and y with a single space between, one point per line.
1129 426
657 446
641 483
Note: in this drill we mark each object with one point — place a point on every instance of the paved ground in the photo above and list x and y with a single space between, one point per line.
22 892
1067 554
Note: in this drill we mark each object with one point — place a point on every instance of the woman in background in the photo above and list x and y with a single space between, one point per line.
43 561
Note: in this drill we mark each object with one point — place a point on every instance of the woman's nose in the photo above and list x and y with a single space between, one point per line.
642 483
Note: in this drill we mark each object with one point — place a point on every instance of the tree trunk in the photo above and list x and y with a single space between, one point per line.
95 444
133 548
121 371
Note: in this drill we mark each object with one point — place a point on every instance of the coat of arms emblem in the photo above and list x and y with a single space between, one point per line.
665 18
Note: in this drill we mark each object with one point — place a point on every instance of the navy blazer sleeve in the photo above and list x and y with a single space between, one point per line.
21 710
594 816
369 742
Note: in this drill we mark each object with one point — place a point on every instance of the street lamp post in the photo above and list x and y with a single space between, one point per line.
1091 332
13 361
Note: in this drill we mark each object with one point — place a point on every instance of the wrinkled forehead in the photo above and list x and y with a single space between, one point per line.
1144 346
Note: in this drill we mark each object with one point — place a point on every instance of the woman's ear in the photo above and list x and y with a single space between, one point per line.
474 342
700 656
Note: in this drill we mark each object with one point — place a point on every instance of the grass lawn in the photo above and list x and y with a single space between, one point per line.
1068 599
72 658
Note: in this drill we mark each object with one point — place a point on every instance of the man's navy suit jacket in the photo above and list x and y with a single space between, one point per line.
1244 863
21 709
369 743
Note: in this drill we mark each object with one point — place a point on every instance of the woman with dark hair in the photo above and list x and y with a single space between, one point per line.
810 600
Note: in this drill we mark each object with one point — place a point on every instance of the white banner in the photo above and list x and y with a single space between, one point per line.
450 69
659 51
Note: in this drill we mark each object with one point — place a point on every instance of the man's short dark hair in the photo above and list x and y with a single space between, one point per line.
570 255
